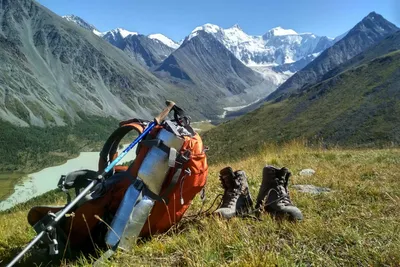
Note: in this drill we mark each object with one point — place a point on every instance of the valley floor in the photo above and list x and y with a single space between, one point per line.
355 224
7 183
8 180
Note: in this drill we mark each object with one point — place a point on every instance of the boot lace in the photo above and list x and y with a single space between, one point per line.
230 197
282 192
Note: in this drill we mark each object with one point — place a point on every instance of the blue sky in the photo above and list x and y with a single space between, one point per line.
177 18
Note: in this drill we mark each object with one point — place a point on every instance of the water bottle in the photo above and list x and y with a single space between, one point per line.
136 222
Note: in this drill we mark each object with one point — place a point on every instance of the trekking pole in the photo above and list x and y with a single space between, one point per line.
50 226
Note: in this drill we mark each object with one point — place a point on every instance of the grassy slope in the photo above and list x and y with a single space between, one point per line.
357 107
202 126
354 225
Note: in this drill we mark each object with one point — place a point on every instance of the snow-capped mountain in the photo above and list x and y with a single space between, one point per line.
205 64
368 32
276 47
277 54
119 34
148 51
164 39
79 21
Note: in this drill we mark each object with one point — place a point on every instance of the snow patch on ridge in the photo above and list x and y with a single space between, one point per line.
279 31
164 39
278 46
125 33
82 23
209 28
101 34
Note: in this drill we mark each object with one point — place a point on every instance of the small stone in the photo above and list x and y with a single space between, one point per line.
312 189
307 172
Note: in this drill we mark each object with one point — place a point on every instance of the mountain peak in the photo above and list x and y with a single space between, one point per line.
373 14
279 31
71 16
374 22
236 26
124 33
208 28
81 22
164 39
367 33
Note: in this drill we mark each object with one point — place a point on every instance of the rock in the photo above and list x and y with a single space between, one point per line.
312 189
307 172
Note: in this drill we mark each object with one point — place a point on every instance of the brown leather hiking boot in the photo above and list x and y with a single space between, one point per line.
273 196
236 199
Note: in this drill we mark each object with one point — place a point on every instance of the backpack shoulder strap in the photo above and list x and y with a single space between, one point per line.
110 148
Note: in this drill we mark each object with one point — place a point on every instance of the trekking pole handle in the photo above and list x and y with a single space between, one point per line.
165 112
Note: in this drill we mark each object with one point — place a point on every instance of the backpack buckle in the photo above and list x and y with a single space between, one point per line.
183 158
61 182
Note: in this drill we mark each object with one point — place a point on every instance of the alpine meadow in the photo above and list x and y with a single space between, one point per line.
131 147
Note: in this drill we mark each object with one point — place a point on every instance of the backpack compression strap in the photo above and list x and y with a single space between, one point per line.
109 151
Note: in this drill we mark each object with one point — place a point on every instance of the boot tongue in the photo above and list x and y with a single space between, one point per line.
226 177
280 181
282 188
232 183
230 196
232 190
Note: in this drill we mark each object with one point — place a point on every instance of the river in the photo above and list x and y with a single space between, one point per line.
236 108
40 182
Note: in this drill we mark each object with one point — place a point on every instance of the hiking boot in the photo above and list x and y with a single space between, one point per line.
236 199
273 196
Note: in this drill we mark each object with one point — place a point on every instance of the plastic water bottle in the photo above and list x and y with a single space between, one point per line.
136 222
122 216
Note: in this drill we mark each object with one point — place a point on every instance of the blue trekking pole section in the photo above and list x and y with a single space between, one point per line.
51 226
157 120
126 150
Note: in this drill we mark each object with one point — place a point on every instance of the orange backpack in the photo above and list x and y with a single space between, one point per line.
183 182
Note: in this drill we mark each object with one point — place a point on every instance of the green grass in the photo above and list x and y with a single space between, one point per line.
359 107
354 225
7 183
202 126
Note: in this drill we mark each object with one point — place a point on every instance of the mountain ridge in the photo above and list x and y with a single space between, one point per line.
81 22
52 70
356 108
207 64
260 50
148 52
277 54
370 30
